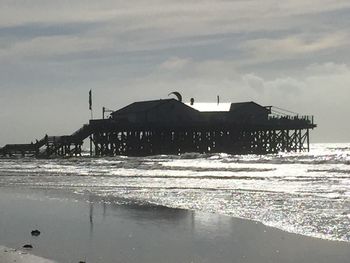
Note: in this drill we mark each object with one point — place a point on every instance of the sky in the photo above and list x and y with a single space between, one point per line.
292 54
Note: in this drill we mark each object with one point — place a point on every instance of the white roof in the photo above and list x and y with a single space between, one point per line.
208 106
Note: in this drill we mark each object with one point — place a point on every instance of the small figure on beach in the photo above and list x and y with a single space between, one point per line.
28 246
35 232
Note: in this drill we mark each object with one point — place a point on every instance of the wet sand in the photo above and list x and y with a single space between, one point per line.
93 229
14 255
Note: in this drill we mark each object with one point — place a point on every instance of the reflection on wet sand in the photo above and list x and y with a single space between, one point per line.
109 229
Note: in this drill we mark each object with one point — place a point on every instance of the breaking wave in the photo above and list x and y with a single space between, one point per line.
305 193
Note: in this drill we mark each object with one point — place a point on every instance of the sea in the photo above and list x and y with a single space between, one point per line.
304 193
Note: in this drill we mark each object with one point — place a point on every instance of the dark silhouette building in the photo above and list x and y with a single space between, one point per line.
169 126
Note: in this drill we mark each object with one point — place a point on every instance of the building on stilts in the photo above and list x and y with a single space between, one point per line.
169 126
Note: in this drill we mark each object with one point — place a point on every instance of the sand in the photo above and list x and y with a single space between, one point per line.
8 255
88 228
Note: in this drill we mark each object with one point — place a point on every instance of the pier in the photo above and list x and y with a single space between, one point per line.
170 126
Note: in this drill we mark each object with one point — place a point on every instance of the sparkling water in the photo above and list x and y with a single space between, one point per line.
304 193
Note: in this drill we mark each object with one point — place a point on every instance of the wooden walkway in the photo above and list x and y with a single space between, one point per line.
67 145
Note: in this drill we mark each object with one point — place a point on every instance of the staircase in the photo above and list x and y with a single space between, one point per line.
82 133
67 145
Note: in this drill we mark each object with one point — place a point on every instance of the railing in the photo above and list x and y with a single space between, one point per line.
282 115
82 133
50 142
302 120
81 130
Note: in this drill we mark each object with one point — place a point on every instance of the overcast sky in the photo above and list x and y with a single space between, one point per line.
293 54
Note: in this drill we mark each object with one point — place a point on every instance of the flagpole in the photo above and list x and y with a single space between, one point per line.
92 116
90 104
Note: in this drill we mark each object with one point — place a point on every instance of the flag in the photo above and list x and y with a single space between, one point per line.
90 100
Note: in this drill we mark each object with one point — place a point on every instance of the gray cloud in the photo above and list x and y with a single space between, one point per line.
291 54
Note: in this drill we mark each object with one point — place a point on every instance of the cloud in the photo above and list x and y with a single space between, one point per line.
112 27
204 79
165 13
53 46
327 68
288 53
255 82
294 46
286 87
175 63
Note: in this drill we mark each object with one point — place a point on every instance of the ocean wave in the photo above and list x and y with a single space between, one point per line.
306 193
275 159
338 171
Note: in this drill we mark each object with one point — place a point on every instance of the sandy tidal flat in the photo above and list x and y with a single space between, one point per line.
93 229
8 255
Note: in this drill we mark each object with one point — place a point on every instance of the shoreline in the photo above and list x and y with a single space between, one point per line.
97 229
8 255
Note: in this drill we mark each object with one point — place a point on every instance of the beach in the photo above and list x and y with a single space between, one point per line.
287 207
84 227
174 131
13 255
